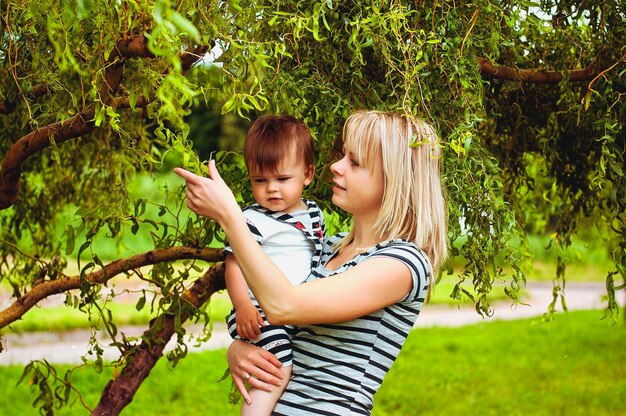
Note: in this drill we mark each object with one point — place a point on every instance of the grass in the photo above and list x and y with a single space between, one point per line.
573 365
192 388
58 318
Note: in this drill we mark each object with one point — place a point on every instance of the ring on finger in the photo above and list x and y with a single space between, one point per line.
248 376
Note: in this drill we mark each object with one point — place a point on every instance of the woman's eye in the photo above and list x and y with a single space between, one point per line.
354 162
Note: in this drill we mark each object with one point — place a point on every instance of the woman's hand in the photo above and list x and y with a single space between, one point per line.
252 364
210 197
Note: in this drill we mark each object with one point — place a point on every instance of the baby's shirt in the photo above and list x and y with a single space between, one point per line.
292 241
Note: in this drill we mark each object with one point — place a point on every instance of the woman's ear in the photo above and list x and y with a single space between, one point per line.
308 174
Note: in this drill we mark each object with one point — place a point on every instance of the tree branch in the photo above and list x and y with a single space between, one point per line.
81 123
535 76
36 141
120 391
37 91
52 287
33 142
132 47
193 55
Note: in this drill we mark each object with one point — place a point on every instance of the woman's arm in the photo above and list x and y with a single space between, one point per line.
367 287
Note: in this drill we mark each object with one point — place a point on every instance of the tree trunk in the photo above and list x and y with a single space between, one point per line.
119 392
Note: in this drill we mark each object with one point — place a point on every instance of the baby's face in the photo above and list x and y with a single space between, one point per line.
282 190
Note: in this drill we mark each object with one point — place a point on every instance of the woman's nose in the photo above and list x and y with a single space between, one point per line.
336 167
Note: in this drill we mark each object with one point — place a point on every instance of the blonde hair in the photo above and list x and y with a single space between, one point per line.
413 206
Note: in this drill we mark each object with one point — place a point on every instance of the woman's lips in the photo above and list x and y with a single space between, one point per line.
338 187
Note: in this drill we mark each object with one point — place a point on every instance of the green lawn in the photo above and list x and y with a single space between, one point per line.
573 365
60 318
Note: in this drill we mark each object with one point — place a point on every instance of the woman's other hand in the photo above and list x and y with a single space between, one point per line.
252 364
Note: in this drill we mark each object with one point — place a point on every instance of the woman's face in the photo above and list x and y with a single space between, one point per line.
357 189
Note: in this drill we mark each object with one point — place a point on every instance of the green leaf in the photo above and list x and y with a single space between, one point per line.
71 239
316 29
27 370
135 227
616 168
141 303
185 26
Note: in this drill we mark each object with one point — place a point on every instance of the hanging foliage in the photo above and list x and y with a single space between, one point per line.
529 99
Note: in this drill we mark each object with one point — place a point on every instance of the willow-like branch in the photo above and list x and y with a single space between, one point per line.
131 47
62 285
81 123
37 91
119 392
536 76
33 142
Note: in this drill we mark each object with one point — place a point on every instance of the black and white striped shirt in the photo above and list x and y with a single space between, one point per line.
339 367
310 224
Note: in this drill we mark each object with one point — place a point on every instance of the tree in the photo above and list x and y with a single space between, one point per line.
529 99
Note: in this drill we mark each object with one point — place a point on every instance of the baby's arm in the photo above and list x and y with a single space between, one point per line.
247 315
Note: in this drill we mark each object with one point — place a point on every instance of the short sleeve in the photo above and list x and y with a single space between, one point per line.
416 261
249 214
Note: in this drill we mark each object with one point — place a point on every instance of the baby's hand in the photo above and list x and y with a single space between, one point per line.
248 321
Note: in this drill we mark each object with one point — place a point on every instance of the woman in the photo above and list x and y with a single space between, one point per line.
355 311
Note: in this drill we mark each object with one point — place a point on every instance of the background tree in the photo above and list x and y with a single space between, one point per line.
529 98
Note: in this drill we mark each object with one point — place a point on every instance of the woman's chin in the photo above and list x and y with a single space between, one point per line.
337 201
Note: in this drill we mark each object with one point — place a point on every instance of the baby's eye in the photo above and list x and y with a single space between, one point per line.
283 179
258 180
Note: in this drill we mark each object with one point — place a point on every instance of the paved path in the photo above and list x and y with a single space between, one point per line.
70 346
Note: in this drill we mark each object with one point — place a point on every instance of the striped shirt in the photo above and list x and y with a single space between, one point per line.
294 243
286 237
339 367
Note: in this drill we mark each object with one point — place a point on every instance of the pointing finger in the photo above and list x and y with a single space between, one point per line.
186 175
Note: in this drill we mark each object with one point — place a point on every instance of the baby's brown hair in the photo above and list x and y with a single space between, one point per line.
271 137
